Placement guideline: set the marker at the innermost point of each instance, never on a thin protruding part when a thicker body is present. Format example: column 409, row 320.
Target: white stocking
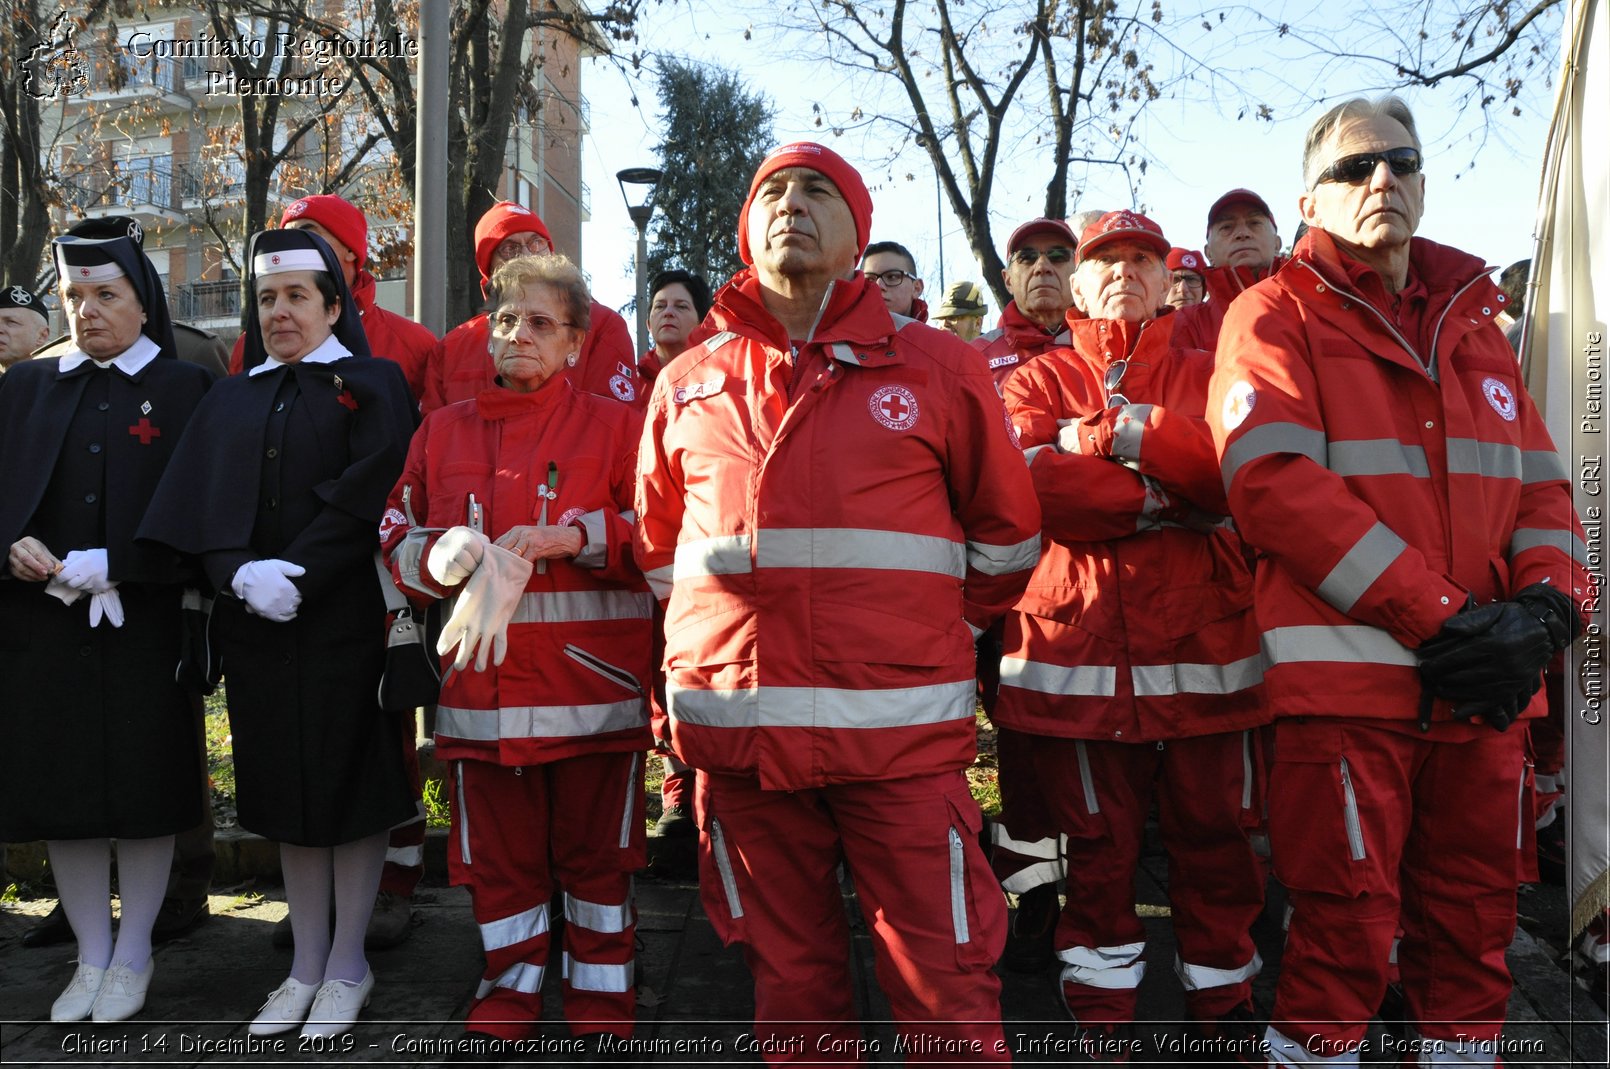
column 142, row 878
column 358, row 865
column 307, row 890
column 83, row 871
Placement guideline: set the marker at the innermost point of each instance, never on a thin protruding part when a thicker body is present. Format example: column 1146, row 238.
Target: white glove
column 85, row 569
column 455, row 555
column 108, row 605
column 61, row 591
column 265, row 587
column 480, row 620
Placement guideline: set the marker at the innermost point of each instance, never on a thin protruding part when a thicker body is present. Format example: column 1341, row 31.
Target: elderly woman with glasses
column 278, row 486
column 1132, row 660
column 516, row 504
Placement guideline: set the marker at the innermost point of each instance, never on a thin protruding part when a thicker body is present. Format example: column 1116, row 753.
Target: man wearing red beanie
column 831, row 506
column 460, row 367
column 390, row 335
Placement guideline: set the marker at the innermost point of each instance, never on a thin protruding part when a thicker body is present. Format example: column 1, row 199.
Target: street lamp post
column 643, row 181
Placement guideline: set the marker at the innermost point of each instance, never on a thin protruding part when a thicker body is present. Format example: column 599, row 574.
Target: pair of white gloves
column 496, row 578
column 266, row 588
column 83, row 571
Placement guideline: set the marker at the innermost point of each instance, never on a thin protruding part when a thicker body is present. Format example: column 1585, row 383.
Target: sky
column 1482, row 178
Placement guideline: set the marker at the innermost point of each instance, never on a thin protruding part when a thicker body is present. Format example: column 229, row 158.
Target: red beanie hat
column 824, row 160
column 337, row 216
column 502, row 219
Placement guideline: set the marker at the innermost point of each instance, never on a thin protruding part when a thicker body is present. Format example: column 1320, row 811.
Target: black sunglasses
column 1057, row 254
column 1359, row 167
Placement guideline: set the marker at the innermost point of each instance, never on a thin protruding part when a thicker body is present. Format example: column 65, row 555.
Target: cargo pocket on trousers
column 1315, row 830
column 977, row 906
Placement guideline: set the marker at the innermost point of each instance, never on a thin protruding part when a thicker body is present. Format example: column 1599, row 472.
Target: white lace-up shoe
column 337, row 1006
column 79, row 997
column 285, row 1009
column 122, row 993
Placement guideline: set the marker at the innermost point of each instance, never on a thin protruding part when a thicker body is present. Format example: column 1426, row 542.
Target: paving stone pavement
column 695, row 1001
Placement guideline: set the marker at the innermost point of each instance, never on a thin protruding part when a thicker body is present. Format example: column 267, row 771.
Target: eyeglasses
column 1357, row 168
column 1188, row 281
column 1112, row 380
column 523, row 244
column 508, row 324
column 889, row 279
column 1057, row 254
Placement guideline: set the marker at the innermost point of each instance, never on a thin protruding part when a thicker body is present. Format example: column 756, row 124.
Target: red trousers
column 517, row 834
column 768, row 874
column 1207, row 801
column 1374, row 828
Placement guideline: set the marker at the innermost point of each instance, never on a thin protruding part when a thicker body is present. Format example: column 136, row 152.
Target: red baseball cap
column 825, row 161
column 1185, row 260
column 1123, row 225
column 1238, row 196
column 1055, row 227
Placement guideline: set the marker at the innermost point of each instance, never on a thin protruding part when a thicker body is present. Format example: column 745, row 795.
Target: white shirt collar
column 129, row 361
column 329, row 351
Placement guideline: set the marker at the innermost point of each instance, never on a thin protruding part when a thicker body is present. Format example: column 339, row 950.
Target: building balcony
column 209, row 305
column 116, row 74
column 137, row 188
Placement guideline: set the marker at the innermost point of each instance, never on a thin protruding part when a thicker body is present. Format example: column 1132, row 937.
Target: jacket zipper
column 615, row 675
column 958, row 888
column 1387, row 323
column 1355, row 833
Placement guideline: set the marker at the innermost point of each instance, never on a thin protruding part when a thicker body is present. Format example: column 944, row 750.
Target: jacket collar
column 853, row 323
column 1446, row 272
column 500, row 402
column 1226, row 283
column 1027, row 336
column 363, row 292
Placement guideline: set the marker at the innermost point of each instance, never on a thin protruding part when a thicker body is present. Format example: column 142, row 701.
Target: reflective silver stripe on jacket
column 1378, row 456
column 1270, row 439
column 721, row 555
column 999, row 560
column 1116, row 968
column 828, row 707
column 582, row 606
column 587, row 976
column 1494, row 460
column 1128, row 431
column 1542, row 466
column 598, row 916
column 1525, row 538
column 539, row 721
column 1360, row 566
column 855, row 547
column 1202, row 977
column 659, row 581
column 1351, row 644
column 1035, row 450
column 595, row 540
column 1162, row 680
column 517, row 928
column 522, row 977
column 1087, row 680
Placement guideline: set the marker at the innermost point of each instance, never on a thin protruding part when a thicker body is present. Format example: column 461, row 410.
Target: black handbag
column 413, row 674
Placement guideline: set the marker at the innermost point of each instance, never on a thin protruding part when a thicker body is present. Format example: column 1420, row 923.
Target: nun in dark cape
column 278, row 487
column 100, row 742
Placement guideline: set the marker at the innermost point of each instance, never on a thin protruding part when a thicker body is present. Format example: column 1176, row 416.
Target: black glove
column 1495, row 648
column 1554, row 610
column 1501, row 711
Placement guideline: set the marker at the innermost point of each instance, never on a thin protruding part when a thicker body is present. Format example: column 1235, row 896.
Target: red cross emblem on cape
column 144, row 431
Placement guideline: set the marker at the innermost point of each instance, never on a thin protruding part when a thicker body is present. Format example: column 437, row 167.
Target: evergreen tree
column 716, row 134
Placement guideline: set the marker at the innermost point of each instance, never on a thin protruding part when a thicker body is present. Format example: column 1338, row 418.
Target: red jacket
column 461, row 368
column 1196, row 326
column 1137, row 624
column 553, row 697
column 1015, row 341
column 830, row 530
column 1381, row 495
column 397, row 338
